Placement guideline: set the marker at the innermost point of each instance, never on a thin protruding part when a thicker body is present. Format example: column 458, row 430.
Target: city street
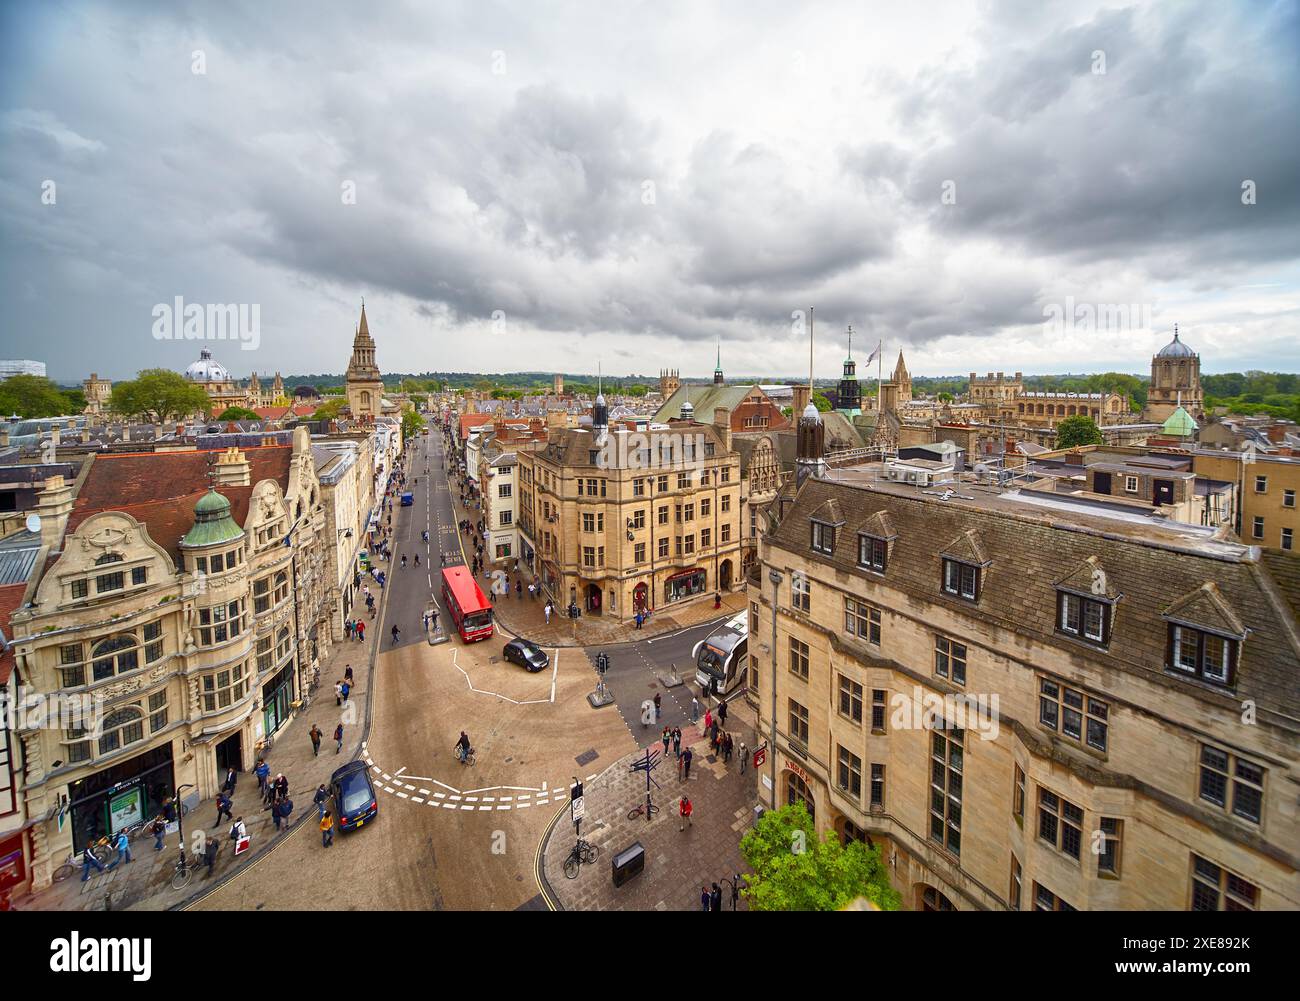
column 450, row 835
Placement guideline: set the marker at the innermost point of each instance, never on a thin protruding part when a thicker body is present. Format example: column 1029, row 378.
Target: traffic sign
column 760, row 756
column 577, row 808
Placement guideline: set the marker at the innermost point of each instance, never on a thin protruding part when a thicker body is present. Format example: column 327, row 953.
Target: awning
column 683, row 573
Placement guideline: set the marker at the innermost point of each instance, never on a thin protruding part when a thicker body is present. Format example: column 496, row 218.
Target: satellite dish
column 33, row 523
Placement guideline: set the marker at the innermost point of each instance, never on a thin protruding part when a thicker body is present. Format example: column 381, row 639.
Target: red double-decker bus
column 466, row 604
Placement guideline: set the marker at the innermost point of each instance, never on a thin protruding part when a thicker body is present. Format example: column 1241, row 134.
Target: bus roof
column 464, row 588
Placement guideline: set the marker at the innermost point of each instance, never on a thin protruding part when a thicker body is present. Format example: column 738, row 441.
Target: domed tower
column 1175, row 379
column 810, row 436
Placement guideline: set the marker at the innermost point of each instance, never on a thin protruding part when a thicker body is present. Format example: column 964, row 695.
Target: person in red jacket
column 684, row 809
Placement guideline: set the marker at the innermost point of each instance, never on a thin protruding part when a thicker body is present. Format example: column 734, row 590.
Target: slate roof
column 160, row 489
column 1158, row 572
column 704, row 398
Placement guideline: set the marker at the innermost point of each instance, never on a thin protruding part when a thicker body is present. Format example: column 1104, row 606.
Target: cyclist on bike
column 403, row 561
column 462, row 747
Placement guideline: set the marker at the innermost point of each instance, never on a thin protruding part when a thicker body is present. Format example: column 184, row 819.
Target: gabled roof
column 705, row 399
column 1089, row 578
column 829, row 513
column 1207, row 607
column 967, row 548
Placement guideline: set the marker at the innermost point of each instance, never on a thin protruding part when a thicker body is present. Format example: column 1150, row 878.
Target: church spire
column 717, row 369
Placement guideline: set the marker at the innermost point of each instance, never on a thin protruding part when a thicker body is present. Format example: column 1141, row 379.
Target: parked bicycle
column 183, row 871
column 99, row 849
column 640, row 811
column 583, row 852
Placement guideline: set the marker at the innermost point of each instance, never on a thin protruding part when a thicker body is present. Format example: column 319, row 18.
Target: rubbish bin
column 628, row 863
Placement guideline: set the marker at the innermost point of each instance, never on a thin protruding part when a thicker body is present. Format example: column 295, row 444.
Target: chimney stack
column 800, row 400
column 232, row 469
column 53, row 505
column 722, row 421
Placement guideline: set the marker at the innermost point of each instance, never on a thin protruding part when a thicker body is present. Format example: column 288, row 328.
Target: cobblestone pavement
column 678, row 863
column 145, row 883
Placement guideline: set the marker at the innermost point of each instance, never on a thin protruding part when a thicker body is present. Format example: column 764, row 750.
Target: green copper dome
column 1180, row 423
column 213, row 524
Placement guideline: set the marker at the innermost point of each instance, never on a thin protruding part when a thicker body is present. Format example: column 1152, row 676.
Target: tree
column 821, row 403
column 35, row 396
column 794, row 871
column 329, row 409
column 238, row 414
column 945, row 397
column 412, row 423
column 159, row 394
column 1075, row 431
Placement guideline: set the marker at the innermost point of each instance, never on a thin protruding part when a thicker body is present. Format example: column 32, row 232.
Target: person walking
column 347, row 676
column 262, row 771
column 361, row 632
column 715, row 898
column 223, row 807
column 232, row 777
column 158, row 828
column 338, row 693
column 123, row 845
column 396, row 632
column 347, row 690
column 667, row 737
column 727, row 744
column 281, row 787
column 704, row 898
column 677, row 741
column 320, row 798
column 658, row 710
column 275, row 814
column 210, row 849
column 285, row 808
column 88, row 859
column 695, row 709
column 722, row 711
column 744, row 758
column 546, row 610
column 684, row 812
column 708, row 720
column 338, row 736
column 315, row 735
column 326, row 829
column 686, row 762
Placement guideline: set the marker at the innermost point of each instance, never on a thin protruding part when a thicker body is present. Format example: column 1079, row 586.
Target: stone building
column 1175, row 381
column 616, row 520
column 993, row 392
column 1030, row 702
column 365, row 386
column 97, row 392
column 185, row 595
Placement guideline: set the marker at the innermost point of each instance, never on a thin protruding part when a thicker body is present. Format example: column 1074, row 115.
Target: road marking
column 455, row 660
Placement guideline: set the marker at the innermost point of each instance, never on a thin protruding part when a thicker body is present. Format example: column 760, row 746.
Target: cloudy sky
column 543, row 185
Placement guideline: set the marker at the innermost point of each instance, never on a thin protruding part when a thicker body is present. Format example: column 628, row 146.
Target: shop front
column 124, row 794
column 13, row 869
column 277, row 694
column 685, row 584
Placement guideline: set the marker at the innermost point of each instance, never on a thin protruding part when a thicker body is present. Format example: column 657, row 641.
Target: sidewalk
column 145, row 883
column 677, row 863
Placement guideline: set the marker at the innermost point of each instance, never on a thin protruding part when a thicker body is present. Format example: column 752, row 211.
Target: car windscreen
column 356, row 793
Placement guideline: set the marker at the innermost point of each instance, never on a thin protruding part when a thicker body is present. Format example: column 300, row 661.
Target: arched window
column 108, row 558
column 797, row 791
column 933, row 900
column 123, row 727
column 115, row 655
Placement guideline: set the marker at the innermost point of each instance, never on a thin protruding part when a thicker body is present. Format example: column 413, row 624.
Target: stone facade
column 1105, row 777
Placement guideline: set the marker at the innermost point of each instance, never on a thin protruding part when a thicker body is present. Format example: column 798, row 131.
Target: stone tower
column 365, row 387
column 1175, row 378
column 669, row 381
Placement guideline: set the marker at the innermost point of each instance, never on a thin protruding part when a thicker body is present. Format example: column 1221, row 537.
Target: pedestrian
column 677, row 741
column 238, row 831
column 695, row 709
column 223, row 807
column 722, row 711
column 262, row 771
column 705, row 898
column 686, row 761
column 210, row 853
column 338, row 693
column 275, row 814
column 713, row 734
column 285, row 808
column 281, row 787
column 684, row 811
column 715, row 898
column 315, row 735
column 158, row 829
column 546, row 610
column 123, row 845
column 727, row 744
column 232, row 777
column 658, row 709
column 361, row 632
column 338, row 735
column 667, row 737
column 744, row 758
column 320, row 799
column 708, row 720
column 396, row 632
column 347, row 676
column 638, row 619
column 326, row 829
column 680, row 761
column 519, row 589
column 347, row 689
column 88, row 859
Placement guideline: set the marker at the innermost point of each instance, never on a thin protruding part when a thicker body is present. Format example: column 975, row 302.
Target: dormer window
column 1205, row 655
column 1086, row 618
column 823, row 538
column 873, row 553
column 961, row 579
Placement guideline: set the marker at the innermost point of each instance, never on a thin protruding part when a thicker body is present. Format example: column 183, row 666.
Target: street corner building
column 1028, row 700
column 189, row 594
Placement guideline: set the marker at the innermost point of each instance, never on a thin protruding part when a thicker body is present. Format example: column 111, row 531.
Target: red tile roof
column 468, row 421
column 11, row 596
column 160, row 489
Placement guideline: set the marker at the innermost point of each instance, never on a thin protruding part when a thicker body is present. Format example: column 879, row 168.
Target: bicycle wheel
column 181, row 877
column 633, row 814
column 571, row 867
column 64, row 871
column 589, row 853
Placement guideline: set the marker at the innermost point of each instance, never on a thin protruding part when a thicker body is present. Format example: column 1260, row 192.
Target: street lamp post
column 776, row 578
column 180, row 816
